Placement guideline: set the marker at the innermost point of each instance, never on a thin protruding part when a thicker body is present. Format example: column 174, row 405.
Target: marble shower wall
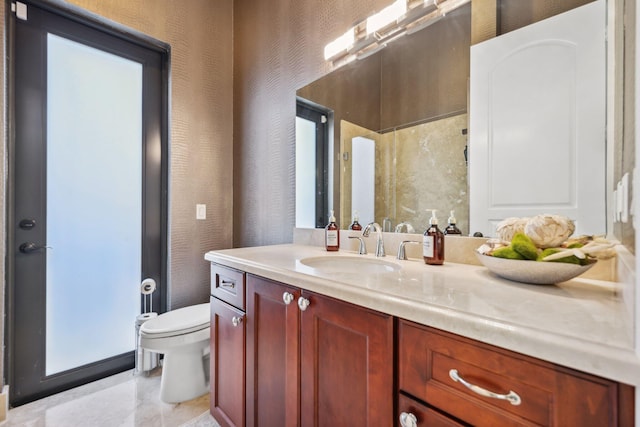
column 348, row 131
column 431, row 173
column 417, row 168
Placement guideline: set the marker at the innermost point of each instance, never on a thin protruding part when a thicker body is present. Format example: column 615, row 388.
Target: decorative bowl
column 533, row 272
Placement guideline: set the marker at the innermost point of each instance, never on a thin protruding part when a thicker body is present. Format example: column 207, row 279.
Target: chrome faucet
column 362, row 248
column 402, row 254
column 405, row 225
column 379, row 242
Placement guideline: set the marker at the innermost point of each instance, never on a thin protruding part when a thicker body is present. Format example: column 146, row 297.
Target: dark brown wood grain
column 227, row 380
column 346, row 365
column 551, row 395
column 228, row 285
column 425, row 416
column 272, row 354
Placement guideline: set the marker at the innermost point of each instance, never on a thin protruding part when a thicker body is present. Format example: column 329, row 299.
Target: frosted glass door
column 93, row 206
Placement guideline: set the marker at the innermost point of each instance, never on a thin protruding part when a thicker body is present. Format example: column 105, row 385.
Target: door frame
column 110, row 28
column 321, row 117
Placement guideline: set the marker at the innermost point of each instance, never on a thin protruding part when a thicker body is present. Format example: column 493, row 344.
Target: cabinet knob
column 236, row 320
column 512, row 397
column 287, row 297
column 408, row 420
column 303, row 303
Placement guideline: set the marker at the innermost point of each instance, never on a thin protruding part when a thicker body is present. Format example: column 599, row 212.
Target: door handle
column 29, row 247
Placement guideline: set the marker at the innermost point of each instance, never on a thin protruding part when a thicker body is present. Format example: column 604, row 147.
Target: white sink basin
column 350, row 264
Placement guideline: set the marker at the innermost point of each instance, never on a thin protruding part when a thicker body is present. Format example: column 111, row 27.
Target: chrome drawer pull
column 236, row 320
column 512, row 396
column 408, row 420
column 226, row 284
column 287, row 297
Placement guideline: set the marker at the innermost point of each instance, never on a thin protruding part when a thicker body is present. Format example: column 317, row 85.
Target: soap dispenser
column 433, row 242
column 332, row 235
column 355, row 225
column 452, row 228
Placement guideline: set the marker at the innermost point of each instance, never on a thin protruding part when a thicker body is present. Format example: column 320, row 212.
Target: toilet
column 182, row 335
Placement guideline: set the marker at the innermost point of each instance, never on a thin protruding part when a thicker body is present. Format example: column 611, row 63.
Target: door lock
column 27, row 224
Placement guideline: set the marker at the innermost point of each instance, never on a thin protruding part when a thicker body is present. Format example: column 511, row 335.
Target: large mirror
column 403, row 109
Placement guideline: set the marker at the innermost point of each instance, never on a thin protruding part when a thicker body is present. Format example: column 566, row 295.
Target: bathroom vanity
column 388, row 342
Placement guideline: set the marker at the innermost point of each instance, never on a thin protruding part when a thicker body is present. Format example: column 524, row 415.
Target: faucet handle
column 380, row 246
column 401, row 249
column 362, row 249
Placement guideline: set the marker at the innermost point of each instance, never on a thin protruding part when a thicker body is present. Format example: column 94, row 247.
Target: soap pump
column 433, row 242
column 355, row 225
column 452, row 228
column 332, row 234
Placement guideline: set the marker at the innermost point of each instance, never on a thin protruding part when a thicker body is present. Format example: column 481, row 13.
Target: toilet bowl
column 182, row 335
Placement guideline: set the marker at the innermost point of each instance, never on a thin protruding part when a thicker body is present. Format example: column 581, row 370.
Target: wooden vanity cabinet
column 316, row 361
column 227, row 358
column 273, row 354
column 298, row 358
column 547, row 395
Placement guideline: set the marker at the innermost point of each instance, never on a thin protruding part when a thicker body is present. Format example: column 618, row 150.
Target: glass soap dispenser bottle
column 332, row 234
column 355, row 225
column 433, row 242
column 452, row 228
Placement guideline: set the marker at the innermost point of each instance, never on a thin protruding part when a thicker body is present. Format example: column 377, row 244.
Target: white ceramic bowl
column 533, row 272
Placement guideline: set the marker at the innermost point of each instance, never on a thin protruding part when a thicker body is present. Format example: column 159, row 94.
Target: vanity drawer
column 549, row 395
column 228, row 285
column 424, row 416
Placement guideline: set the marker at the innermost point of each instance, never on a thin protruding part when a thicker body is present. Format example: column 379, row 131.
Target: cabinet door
column 227, row 364
column 346, row 364
column 273, row 320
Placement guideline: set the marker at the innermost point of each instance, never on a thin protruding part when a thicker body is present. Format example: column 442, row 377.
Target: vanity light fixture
column 342, row 43
column 373, row 34
column 386, row 16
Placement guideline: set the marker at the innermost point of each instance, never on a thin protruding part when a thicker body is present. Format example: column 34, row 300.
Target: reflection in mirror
column 418, row 79
column 417, row 168
column 312, row 166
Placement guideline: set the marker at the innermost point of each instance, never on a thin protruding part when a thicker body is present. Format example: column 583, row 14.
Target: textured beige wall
column 201, row 134
column 278, row 48
column 201, row 131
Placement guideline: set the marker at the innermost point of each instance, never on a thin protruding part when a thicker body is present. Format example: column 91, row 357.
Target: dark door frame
column 321, row 118
column 156, row 197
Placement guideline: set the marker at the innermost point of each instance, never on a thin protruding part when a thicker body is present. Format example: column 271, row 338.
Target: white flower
column 549, row 231
column 508, row 227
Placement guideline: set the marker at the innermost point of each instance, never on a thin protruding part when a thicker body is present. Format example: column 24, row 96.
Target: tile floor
column 123, row 400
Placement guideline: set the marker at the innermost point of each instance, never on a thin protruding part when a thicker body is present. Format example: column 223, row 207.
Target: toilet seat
column 177, row 322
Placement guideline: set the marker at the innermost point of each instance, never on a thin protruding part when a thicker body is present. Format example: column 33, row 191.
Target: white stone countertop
column 581, row 324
